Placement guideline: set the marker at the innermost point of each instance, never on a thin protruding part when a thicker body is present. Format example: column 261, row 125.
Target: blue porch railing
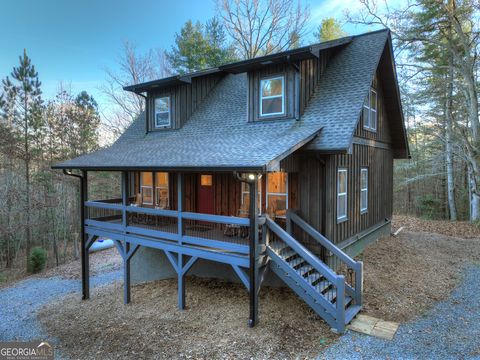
column 218, row 232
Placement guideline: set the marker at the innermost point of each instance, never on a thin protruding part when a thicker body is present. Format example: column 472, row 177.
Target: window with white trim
column 370, row 111
column 246, row 198
column 162, row 118
column 363, row 190
column 154, row 193
column 146, row 188
column 277, row 194
column 272, row 96
column 341, row 194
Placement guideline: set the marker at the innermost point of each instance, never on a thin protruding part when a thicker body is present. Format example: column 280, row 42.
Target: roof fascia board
column 377, row 62
column 274, row 165
column 260, row 169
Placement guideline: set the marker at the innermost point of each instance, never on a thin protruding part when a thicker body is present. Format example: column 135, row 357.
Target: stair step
column 305, row 269
column 295, row 262
column 322, row 286
column 330, row 295
column 286, row 253
column 314, row 278
column 351, row 312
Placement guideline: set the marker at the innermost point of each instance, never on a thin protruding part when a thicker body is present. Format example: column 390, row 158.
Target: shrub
column 429, row 207
column 2, row 278
column 37, row 260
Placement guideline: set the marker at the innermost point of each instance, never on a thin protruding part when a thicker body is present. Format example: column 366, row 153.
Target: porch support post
column 83, row 215
column 253, row 236
column 180, row 273
column 181, row 283
column 126, row 275
column 126, row 244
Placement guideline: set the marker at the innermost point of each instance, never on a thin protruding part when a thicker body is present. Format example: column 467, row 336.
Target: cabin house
column 281, row 164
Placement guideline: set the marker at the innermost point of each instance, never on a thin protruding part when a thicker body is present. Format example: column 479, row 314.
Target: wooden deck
column 212, row 237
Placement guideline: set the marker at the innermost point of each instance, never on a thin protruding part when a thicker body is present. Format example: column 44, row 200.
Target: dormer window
column 162, row 112
column 272, row 96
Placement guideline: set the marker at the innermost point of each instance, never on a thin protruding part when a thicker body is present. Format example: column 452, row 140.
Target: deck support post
column 180, row 273
column 126, row 275
column 84, row 253
column 253, row 256
column 126, row 245
column 181, row 283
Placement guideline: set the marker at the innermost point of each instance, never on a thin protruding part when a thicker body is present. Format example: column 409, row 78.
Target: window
column 370, row 111
column 206, row 180
column 363, row 190
column 277, row 194
column 146, row 188
column 272, row 100
column 159, row 193
column 341, row 194
column 246, row 198
column 162, row 200
column 162, row 112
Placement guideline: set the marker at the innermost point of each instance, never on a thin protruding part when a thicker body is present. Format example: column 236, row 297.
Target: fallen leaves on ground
column 214, row 325
column 404, row 276
column 461, row 229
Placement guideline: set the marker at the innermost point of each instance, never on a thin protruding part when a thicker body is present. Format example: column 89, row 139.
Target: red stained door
column 205, row 195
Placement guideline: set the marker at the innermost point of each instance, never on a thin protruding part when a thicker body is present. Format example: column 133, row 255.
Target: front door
column 205, row 195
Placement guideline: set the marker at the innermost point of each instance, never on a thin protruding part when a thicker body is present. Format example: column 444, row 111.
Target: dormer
column 273, row 93
column 279, row 87
column 171, row 101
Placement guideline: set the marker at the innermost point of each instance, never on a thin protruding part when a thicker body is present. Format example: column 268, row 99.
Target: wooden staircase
column 333, row 296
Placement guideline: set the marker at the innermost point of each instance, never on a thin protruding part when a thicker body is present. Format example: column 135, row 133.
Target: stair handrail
column 291, row 216
column 313, row 260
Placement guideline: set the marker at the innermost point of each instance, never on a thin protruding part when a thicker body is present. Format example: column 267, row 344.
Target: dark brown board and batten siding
column 310, row 71
column 380, row 189
column 184, row 99
column 383, row 133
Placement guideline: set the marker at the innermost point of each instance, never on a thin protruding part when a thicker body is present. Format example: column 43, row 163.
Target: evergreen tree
column 87, row 120
column 23, row 109
column 329, row 29
column 199, row 46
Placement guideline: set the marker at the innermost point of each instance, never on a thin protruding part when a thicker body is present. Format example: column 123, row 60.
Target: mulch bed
column 404, row 276
column 214, row 325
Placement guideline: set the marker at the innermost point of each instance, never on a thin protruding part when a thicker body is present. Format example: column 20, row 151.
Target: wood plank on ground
column 369, row 325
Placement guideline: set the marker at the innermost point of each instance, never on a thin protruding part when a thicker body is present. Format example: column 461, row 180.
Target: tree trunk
column 452, row 207
column 27, row 182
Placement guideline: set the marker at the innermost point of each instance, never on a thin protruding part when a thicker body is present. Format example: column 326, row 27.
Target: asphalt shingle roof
column 217, row 135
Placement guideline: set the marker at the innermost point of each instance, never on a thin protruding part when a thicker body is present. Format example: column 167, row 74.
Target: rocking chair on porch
column 232, row 230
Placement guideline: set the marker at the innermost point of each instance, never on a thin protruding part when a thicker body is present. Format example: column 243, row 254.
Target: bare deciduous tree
column 134, row 68
column 261, row 27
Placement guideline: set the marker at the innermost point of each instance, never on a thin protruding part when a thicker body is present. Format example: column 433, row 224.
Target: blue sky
column 73, row 41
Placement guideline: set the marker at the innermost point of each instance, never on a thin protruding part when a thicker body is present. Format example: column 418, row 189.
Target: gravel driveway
column 20, row 302
column 451, row 330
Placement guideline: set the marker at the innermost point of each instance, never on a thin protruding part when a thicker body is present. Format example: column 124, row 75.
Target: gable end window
column 162, row 116
column 363, row 190
column 370, row 111
column 341, row 195
column 272, row 96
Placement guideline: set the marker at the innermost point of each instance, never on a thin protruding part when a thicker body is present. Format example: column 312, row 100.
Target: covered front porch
column 154, row 210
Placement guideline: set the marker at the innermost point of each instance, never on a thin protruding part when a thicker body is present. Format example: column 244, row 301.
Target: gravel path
column 20, row 302
column 451, row 330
